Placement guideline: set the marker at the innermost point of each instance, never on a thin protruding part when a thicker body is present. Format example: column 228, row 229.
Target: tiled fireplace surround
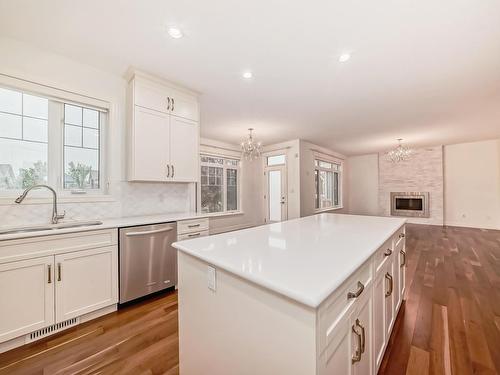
column 423, row 171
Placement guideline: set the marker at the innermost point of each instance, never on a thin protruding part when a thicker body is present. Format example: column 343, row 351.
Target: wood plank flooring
column 450, row 321
column 449, row 324
column 139, row 339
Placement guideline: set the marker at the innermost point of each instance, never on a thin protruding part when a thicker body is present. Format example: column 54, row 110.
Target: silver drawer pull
column 388, row 252
column 49, row 278
column 356, row 357
column 194, row 225
column 358, row 292
column 194, row 234
column 391, row 284
column 401, row 235
column 130, row 234
column 403, row 253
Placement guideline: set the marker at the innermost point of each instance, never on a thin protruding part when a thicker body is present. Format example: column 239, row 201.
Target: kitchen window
column 219, row 184
column 327, row 177
column 44, row 140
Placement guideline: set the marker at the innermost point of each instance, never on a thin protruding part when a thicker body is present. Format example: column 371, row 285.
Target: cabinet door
column 85, row 281
column 151, row 96
column 402, row 270
column 337, row 357
column 27, row 296
column 379, row 318
column 151, row 145
column 184, row 105
column 389, row 299
column 362, row 321
column 184, row 149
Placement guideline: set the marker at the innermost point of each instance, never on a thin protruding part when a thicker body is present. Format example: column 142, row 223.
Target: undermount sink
column 39, row 228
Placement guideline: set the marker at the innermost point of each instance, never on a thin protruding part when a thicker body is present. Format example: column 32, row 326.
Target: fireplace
column 411, row 204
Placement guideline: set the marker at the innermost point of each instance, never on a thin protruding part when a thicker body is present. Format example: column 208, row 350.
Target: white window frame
column 57, row 98
column 339, row 171
column 224, row 167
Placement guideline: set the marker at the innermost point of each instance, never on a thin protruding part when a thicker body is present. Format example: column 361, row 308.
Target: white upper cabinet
column 163, row 131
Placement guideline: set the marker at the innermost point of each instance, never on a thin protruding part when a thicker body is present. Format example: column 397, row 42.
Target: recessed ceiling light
column 344, row 57
column 175, row 32
column 247, row 75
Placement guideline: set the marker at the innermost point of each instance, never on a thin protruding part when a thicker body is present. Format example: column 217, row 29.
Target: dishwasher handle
column 131, row 234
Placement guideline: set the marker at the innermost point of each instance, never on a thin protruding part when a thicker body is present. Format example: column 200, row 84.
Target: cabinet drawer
column 194, row 225
column 381, row 256
column 334, row 309
column 188, row 236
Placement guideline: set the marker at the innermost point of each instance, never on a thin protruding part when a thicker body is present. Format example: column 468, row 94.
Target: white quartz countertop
column 106, row 224
column 304, row 259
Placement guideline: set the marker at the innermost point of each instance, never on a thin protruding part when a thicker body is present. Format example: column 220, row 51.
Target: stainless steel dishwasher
column 148, row 262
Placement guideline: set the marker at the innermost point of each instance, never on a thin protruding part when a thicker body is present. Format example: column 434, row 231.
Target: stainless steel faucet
column 55, row 216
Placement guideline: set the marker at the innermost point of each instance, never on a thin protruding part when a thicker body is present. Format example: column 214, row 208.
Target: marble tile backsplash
column 129, row 199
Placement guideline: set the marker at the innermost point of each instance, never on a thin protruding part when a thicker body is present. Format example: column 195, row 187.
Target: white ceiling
column 426, row 71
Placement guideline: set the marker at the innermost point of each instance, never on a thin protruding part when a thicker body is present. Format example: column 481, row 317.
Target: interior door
column 184, row 150
column 151, row 142
column 276, row 194
column 26, row 296
column 85, row 281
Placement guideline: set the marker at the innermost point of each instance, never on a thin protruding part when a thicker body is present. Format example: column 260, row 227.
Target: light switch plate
column 211, row 274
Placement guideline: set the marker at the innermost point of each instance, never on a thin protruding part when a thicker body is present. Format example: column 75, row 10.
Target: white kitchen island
column 316, row 295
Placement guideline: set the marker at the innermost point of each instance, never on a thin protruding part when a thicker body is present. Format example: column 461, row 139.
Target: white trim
column 52, row 92
column 9, row 200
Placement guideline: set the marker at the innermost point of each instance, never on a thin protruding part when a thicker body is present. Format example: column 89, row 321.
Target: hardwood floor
column 138, row 339
column 450, row 323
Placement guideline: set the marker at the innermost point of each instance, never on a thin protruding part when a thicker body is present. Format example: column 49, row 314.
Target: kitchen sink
column 39, row 228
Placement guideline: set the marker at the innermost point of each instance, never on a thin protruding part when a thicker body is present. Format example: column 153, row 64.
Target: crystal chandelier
column 250, row 148
column 400, row 153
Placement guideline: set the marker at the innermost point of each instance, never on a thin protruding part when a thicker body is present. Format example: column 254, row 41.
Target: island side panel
column 240, row 328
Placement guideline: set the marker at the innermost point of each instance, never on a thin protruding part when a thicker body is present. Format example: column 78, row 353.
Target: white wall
column 471, row 178
column 26, row 62
column 472, row 184
column 363, row 184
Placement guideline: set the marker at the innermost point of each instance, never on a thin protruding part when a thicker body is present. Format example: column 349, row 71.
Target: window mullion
column 55, row 141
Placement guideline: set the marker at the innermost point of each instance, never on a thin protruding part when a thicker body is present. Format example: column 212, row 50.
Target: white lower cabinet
column 378, row 318
column 336, row 359
column 80, row 276
column 26, row 296
column 85, row 282
column 389, row 298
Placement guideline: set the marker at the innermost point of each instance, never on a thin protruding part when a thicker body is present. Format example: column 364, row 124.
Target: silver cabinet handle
column 168, row 170
column 131, row 234
column 194, row 234
column 173, row 104
column 403, row 253
column 358, row 292
column 173, row 171
column 363, row 336
column 59, row 272
column 356, row 357
column 391, row 286
column 401, row 235
column 49, row 277
column 168, row 103
column 194, row 225
column 388, row 252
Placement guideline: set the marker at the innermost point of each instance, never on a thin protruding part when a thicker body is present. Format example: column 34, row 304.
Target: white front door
column 276, row 194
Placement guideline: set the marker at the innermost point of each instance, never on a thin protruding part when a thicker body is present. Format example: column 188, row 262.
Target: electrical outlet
column 211, row 274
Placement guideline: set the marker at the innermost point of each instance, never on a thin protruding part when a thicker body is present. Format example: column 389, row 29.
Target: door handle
column 403, row 253
column 49, row 271
column 363, row 337
column 194, row 225
column 358, row 292
column 173, row 170
column 389, row 277
column 401, row 235
column 168, row 170
column 388, row 252
column 356, row 357
column 173, row 104
column 59, row 278
column 168, row 103
column 131, row 234
column 194, row 234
